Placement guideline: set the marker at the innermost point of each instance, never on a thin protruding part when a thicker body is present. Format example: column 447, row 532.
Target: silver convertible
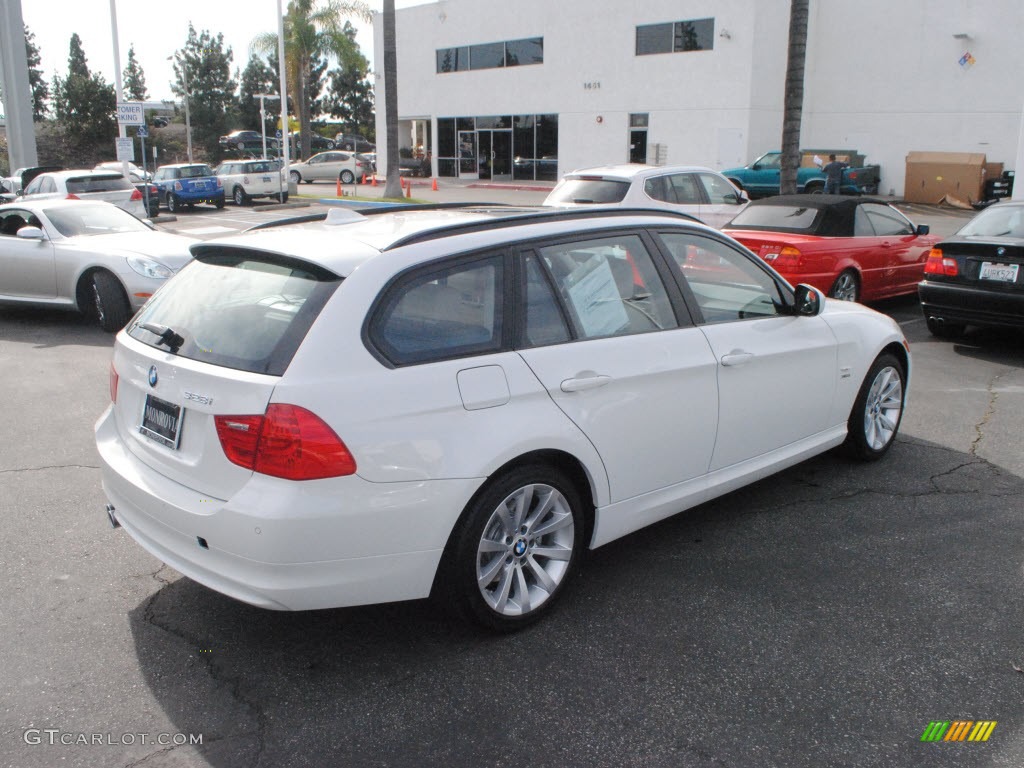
column 87, row 256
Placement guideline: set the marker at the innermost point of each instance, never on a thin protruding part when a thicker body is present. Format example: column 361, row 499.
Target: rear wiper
column 581, row 200
column 167, row 336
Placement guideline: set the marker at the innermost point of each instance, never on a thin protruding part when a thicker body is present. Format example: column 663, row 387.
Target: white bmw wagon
column 459, row 401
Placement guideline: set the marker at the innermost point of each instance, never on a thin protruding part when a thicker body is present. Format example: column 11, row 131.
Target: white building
column 567, row 84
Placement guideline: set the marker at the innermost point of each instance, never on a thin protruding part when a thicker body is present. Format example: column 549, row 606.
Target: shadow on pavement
column 45, row 328
column 823, row 616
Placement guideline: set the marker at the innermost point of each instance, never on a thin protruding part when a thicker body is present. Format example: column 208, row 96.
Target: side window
column 727, row 285
column 34, row 186
column 13, row 221
column 886, row 221
column 656, row 189
column 441, row 314
column 684, row 189
column 718, row 189
column 609, row 285
column 861, row 226
column 48, row 186
column 544, row 321
column 316, row 160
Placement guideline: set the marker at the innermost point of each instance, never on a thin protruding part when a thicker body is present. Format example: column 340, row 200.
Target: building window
column 675, row 37
column 510, row 53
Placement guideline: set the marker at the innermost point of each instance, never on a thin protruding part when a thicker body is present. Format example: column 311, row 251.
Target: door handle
column 583, row 383
column 737, row 357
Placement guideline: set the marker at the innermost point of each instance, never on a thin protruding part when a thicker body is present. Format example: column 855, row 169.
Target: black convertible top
column 834, row 217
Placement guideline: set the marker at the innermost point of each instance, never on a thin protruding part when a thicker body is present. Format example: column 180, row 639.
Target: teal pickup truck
column 762, row 177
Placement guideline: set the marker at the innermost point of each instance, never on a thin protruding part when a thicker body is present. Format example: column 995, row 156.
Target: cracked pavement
column 821, row 617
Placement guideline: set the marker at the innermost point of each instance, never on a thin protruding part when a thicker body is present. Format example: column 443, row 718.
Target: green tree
column 134, row 79
column 792, row 113
column 393, row 185
column 84, row 103
column 257, row 77
column 350, row 93
column 206, row 65
column 312, row 29
column 40, row 90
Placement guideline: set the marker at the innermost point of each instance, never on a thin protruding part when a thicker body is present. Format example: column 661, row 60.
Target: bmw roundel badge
column 1000, row 251
column 153, row 378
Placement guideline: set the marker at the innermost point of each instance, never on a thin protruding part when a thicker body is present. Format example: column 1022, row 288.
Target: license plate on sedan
column 1004, row 273
column 161, row 421
column 266, row 179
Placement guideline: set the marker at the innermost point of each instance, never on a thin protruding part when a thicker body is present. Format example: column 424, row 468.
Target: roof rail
column 374, row 209
column 533, row 216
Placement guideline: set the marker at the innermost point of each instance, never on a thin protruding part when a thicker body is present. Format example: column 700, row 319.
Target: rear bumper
column 967, row 304
column 284, row 545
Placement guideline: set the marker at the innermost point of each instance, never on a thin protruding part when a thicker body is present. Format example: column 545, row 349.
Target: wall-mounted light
column 725, row 34
column 600, row 119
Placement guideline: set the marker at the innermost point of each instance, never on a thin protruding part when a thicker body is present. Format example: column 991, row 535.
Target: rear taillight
column 220, row 182
column 287, row 441
column 72, row 196
column 788, row 259
column 136, row 195
column 938, row 264
column 113, row 384
column 177, row 186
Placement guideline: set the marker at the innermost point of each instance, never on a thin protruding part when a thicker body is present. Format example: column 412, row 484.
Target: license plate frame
column 999, row 272
column 161, row 421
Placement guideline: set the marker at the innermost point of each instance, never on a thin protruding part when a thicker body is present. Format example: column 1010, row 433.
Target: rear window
column 997, row 221
column 194, row 171
column 787, row 218
column 108, row 182
column 588, row 191
column 238, row 308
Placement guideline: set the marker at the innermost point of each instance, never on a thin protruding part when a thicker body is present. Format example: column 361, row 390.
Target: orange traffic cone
column 433, row 184
column 338, row 187
column 363, row 180
column 374, row 180
column 408, row 189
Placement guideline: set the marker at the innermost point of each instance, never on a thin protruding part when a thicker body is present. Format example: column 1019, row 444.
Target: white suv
column 379, row 407
column 689, row 189
column 245, row 180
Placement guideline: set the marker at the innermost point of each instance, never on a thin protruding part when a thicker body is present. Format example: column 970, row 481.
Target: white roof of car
column 46, row 204
column 630, row 171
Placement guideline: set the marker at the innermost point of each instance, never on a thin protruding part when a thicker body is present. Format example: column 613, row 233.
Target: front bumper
column 286, row 545
column 967, row 304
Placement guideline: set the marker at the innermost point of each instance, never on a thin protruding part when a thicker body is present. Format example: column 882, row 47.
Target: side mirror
column 756, row 167
column 923, row 229
column 31, row 233
column 807, row 301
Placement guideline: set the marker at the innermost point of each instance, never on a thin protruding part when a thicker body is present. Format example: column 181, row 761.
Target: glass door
column 501, row 155
column 468, row 162
column 486, row 154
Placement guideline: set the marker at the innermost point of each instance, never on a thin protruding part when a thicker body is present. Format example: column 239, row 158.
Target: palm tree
column 311, row 29
column 393, row 185
column 792, row 113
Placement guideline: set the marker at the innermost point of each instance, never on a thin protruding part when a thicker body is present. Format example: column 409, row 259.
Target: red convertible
column 852, row 248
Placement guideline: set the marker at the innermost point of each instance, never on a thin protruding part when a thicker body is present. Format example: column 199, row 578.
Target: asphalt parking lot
column 822, row 617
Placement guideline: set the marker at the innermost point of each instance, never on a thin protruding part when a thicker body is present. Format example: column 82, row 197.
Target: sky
column 156, row 30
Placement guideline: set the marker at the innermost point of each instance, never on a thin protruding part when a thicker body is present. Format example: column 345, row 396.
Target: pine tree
column 84, row 103
column 40, row 90
column 350, row 93
column 134, row 79
column 211, row 88
column 257, row 77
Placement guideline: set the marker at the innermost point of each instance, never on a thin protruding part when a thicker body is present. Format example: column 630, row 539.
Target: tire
column 330, row 144
column 110, row 303
column 241, row 146
column 944, row 330
column 814, row 189
column 219, row 203
column 494, row 573
column 282, row 197
column 240, row 197
column 173, row 205
column 878, row 410
column 294, row 177
column 846, row 287
column 347, row 177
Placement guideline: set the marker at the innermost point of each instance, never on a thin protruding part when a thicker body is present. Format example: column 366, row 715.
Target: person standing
column 833, row 175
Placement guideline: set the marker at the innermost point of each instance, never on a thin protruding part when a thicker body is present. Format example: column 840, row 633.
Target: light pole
column 263, row 118
column 188, row 118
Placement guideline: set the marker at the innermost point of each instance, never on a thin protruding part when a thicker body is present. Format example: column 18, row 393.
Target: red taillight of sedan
column 938, row 264
column 72, row 196
column 287, row 441
column 788, row 259
column 136, row 195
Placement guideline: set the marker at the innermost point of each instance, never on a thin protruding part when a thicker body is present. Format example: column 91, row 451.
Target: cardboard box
column 932, row 176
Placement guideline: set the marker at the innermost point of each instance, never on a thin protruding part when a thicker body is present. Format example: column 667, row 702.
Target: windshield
column 588, row 191
column 997, row 221
column 93, row 219
column 112, row 182
column 790, row 218
column 239, row 308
